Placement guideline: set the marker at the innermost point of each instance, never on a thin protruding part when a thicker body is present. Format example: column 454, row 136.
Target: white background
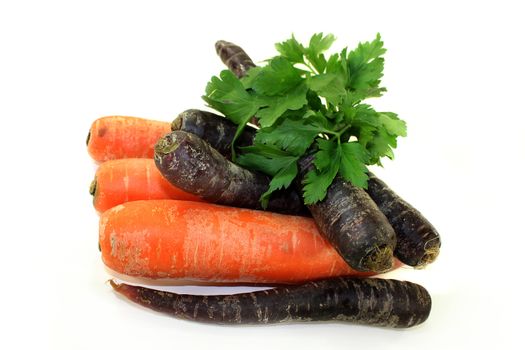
column 454, row 71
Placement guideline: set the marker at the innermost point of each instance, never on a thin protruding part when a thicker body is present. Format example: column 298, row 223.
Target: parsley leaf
column 276, row 78
column 365, row 67
column 249, row 79
column 267, row 159
column 377, row 132
column 291, row 49
column 326, row 161
column 292, row 135
column 228, row 96
column 393, row 125
column 282, row 179
column 314, row 52
column 276, row 105
column 328, row 85
column 308, row 104
column 353, row 160
column 319, row 43
column 360, row 115
column 271, row 161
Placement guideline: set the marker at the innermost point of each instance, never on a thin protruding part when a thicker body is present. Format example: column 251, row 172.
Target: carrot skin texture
column 122, row 180
column 353, row 223
column 214, row 129
column 418, row 242
column 191, row 164
column 116, row 137
column 372, row 301
column 206, row 242
column 234, row 57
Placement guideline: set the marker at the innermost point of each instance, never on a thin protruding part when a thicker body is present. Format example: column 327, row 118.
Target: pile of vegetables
column 274, row 190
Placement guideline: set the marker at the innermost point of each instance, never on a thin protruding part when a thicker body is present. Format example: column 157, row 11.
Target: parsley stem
column 336, row 133
column 340, row 132
column 312, row 69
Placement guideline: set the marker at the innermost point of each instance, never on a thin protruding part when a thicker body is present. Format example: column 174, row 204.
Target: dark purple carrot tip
column 165, row 144
column 93, row 187
column 176, row 124
column 219, row 45
column 380, row 259
column 126, row 290
column 114, row 284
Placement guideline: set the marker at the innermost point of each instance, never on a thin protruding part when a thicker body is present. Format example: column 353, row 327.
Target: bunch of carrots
column 174, row 206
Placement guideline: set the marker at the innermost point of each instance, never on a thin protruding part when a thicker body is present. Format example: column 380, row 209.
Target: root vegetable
column 117, row 137
column 122, row 180
column 377, row 302
column 353, row 223
column 214, row 129
column 234, row 58
column 418, row 242
column 206, row 242
column 191, row 164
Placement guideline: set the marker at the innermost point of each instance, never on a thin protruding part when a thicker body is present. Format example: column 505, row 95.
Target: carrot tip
column 167, row 144
column 114, row 284
column 379, row 260
column 430, row 255
column 88, row 137
column 176, row 124
column 93, row 187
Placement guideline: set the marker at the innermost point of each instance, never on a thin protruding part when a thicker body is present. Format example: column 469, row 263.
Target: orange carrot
column 206, row 242
column 116, row 137
column 122, row 180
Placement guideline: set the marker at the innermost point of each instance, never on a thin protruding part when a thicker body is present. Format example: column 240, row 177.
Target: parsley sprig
column 307, row 102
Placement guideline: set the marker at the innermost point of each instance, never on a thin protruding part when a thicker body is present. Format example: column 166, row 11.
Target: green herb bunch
column 307, row 103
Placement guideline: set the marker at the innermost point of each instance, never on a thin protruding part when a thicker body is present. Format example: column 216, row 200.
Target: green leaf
column 368, row 77
column 314, row 101
column 315, row 186
column 277, row 77
column 252, row 74
column 353, row 168
column 318, row 119
column 380, row 137
column 264, row 158
column 365, row 68
column 314, row 52
column 333, row 65
column 378, row 143
column 319, row 62
column 362, row 114
column 227, row 95
column 366, row 134
column 393, row 125
column 366, row 52
column 271, row 161
column 291, row 50
column 382, row 145
column 328, row 85
column 327, row 161
column 319, row 43
column 294, row 99
column 292, row 135
column 324, row 156
column 337, row 64
column 282, row 179
column 240, row 128
column 296, row 108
